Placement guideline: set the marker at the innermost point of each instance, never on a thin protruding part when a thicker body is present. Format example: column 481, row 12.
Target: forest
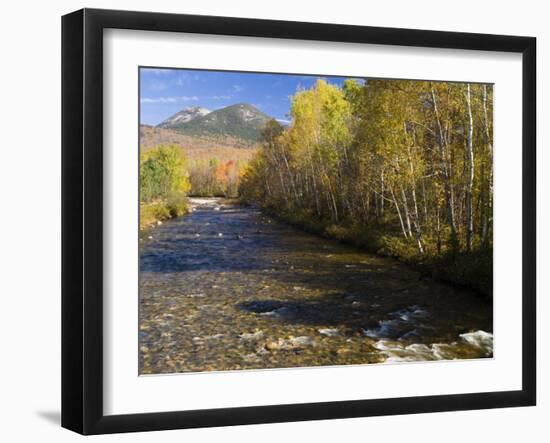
column 214, row 177
column 401, row 168
column 168, row 177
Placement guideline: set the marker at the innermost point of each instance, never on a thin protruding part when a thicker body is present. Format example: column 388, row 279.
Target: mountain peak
column 184, row 116
column 241, row 120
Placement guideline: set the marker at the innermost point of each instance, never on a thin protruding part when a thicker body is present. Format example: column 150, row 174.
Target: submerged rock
column 303, row 341
column 213, row 337
column 272, row 345
column 329, row 332
column 251, row 336
column 291, row 343
column 399, row 324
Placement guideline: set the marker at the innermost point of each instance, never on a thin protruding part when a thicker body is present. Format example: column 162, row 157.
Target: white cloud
column 157, row 86
column 183, row 98
column 282, row 120
column 221, row 97
column 157, row 71
column 182, row 79
column 237, row 88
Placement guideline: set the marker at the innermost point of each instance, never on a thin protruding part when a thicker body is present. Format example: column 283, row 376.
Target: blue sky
column 163, row 92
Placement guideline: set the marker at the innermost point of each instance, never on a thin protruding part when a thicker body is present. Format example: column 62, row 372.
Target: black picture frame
column 82, row 218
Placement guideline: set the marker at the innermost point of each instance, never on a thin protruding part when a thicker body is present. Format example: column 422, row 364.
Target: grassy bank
column 152, row 213
column 471, row 270
column 164, row 184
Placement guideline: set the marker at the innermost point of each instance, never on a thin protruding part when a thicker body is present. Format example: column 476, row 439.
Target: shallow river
column 228, row 288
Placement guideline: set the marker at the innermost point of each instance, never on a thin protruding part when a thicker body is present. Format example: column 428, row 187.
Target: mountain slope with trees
column 240, row 121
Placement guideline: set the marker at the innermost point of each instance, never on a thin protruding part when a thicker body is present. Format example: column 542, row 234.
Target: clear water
column 227, row 288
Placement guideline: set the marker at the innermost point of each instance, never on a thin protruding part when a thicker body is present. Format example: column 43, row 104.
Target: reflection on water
column 227, row 288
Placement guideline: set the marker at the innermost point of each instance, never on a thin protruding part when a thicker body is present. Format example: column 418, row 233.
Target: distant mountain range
column 240, row 121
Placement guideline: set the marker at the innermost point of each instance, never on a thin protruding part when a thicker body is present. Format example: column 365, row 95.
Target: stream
column 228, row 288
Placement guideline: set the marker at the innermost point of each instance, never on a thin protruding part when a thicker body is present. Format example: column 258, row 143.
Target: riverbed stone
column 329, row 332
column 246, row 336
column 221, row 293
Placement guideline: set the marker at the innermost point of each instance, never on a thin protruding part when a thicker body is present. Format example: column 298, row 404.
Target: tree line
column 168, row 177
column 402, row 166
column 214, row 177
column 163, row 185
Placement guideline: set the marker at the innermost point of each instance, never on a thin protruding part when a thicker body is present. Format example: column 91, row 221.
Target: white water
column 400, row 325
column 205, row 203
column 478, row 342
column 480, row 339
column 401, row 328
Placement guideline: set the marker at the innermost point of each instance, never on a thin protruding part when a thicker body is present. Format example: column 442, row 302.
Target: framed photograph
column 270, row 221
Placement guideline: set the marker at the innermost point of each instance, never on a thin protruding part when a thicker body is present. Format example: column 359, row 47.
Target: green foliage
column 472, row 270
column 403, row 168
column 150, row 213
column 163, row 173
column 164, row 184
column 214, row 178
column 177, row 205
